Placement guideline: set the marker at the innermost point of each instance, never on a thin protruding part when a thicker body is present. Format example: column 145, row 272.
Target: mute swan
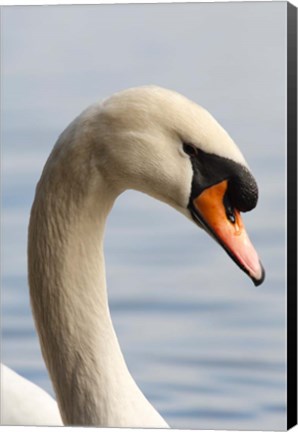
column 149, row 139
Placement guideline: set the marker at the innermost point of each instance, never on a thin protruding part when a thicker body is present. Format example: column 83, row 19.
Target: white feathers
column 24, row 403
column 183, row 119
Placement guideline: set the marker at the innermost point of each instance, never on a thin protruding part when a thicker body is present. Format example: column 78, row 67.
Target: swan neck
column 68, row 294
column 70, row 304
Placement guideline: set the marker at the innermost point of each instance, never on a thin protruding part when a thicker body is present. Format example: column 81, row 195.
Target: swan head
column 159, row 142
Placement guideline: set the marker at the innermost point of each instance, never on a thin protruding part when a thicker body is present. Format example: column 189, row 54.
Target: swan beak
column 225, row 225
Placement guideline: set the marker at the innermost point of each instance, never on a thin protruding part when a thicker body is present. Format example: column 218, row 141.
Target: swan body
column 24, row 403
column 155, row 141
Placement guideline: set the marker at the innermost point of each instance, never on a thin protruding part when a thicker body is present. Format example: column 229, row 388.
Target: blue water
column 205, row 345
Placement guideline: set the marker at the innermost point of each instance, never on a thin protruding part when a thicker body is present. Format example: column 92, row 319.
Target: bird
column 153, row 140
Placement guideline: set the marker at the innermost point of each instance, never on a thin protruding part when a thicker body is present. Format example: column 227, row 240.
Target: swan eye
column 190, row 149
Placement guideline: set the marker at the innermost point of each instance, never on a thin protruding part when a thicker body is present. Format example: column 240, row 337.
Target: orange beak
column 227, row 228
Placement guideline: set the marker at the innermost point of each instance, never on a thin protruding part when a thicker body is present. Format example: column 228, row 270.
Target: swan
column 153, row 140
